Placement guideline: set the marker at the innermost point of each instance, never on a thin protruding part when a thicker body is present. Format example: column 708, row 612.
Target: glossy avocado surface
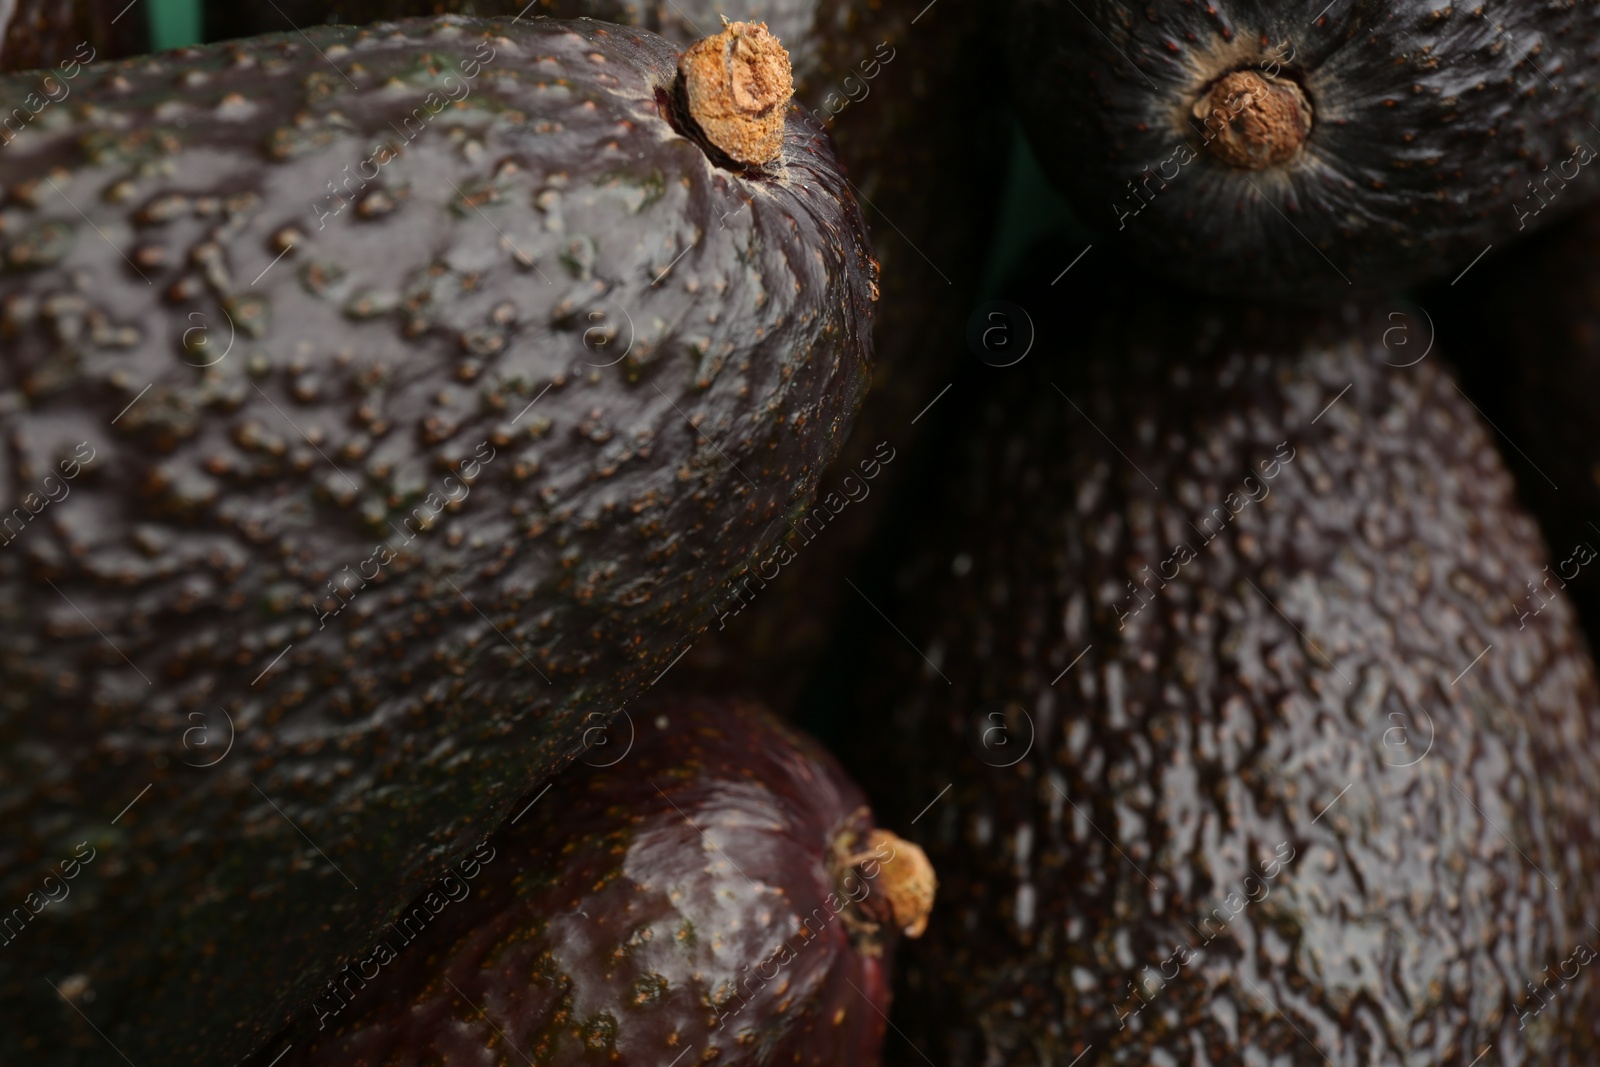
column 383, row 409
column 1309, row 149
column 926, row 154
column 713, row 893
column 791, row 21
column 1216, row 717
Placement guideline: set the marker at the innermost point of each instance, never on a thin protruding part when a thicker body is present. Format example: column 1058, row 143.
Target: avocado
column 1210, row 707
column 887, row 80
column 66, row 34
column 384, row 410
column 1309, row 150
column 713, row 888
column 1525, row 326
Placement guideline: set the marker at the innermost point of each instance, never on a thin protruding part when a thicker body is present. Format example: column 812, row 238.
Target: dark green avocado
column 1306, row 149
column 383, row 410
column 714, row 893
column 61, row 36
column 888, row 80
column 1216, row 719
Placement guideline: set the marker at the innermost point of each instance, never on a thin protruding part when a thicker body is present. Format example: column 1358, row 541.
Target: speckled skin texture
column 1431, row 119
column 1288, row 731
column 635, row 906
column 425, row 402
column 682, row 22
column 928, row 155
column 1526, row 327
column 43, row 33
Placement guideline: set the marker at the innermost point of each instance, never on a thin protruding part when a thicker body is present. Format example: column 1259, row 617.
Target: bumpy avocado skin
column 1526, row 327
column 522, row 398
column 1293, row 748
column 890, row 81
column 791, row 21
column 37, row 34
column 680, row 895
column 1439, row 129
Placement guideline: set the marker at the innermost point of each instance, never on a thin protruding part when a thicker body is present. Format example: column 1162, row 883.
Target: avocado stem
column 736, row 86
column 1253, row 120
column 896, row 883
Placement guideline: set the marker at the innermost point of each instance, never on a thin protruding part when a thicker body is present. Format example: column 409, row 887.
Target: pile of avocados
column 812, row 532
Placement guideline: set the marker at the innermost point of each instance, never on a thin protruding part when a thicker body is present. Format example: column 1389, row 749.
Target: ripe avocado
column 888, row 81
column 715, row 891
column 365, row 453
column 66, row 34
column 1218, row 725
column 1307, row 149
